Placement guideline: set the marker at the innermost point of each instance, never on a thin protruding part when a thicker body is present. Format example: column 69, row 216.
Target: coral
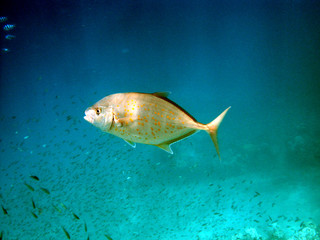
column 276, row 233
column 307, row 232
column 249, row 234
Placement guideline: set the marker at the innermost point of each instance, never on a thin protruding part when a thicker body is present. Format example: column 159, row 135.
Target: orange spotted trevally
column 148, row 118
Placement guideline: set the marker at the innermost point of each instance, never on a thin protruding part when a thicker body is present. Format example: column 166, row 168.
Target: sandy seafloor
column 262, row 59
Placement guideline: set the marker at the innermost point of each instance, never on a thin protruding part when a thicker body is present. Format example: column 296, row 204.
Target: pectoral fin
column 132, row 144
column 166, row 147
column 117, row 122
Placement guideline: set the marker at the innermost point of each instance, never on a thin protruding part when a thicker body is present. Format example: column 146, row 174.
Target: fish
column 3, row 19
column 45, row 190
column 56, row 208
column 34, row 177
column 66, row 233
column 256, row 194
column 64, row 206
column 29, row 186
column 1, row 235
column 34, row 215
column 76, row 216
column 5, row 212
column 150, row 119
column 5, row 50
column 10, row 37
column 9, row 27
column 33, row 204
column 108, row 237
column 85, row 227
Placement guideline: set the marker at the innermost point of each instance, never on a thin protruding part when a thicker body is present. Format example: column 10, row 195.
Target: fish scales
column 147, row 118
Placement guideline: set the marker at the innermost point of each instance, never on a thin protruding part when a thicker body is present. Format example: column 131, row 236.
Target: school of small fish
column 63, row 180
column 7, row 27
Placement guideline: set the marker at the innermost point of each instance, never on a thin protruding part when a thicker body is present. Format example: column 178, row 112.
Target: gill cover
column 106, row 118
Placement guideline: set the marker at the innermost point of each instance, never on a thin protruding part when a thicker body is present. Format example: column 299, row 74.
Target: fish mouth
column 88, row 118
column 88, row 115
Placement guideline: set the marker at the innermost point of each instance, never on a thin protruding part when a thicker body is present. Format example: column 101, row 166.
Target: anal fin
column 166, row 147
column 132, row 144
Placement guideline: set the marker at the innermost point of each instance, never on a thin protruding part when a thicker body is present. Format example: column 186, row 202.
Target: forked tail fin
column 213, row 129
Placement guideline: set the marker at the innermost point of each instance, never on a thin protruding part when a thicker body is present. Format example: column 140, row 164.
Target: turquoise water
column 260, row 58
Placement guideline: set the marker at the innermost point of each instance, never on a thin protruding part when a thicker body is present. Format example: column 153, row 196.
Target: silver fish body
column 148, row 119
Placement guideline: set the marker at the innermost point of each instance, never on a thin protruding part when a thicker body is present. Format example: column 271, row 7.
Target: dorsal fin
column 161, row 94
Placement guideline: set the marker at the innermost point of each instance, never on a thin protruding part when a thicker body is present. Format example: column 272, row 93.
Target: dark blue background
column 260, row 57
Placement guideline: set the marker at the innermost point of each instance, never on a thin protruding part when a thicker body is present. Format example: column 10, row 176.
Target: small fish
column 10, row 37
column 1, row 235
column 256, row 195
column 108, row 237
column 5, row 212
column 64, row 206
column 45, row 190
column 85, row 227
column 66, row 232
column 149, row 119
column 29, row 186
column 5, row 50
column 56, row 208
column 34, row 215
column 75, row 215
column 33, row 204
column 8, row 27
column 34, row 177
column 3, row 19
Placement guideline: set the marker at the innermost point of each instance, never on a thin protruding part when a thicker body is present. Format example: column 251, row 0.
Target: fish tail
column 213, row 129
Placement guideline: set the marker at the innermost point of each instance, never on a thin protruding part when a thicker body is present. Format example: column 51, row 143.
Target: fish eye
column 98, row 111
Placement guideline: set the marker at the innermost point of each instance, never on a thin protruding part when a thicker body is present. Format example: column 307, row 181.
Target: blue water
column 261, row 57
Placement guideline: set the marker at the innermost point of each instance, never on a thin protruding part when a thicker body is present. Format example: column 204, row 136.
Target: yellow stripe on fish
column 148, row 118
